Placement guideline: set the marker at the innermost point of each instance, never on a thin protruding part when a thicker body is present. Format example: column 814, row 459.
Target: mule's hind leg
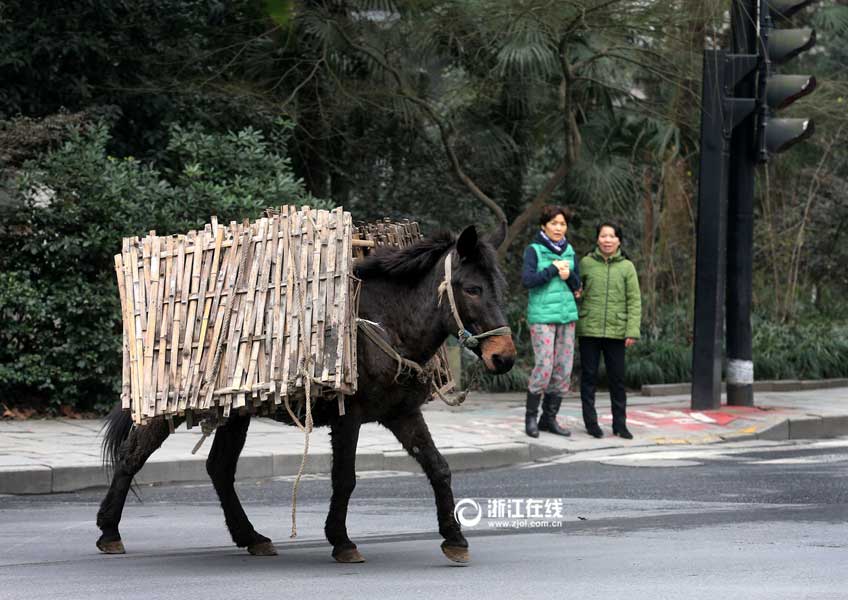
column 135, row 451
column 221, row 466
column 412, row 432
column 344, row 435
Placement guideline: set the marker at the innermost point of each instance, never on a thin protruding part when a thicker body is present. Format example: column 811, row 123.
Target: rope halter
column 465, row 337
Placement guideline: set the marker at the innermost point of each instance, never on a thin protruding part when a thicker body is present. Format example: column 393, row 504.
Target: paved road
column 747, row 520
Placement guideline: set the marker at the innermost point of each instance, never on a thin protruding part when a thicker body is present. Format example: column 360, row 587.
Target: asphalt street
column 745, row 520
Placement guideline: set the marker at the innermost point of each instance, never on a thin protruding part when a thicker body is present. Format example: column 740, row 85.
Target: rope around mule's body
column 372, row 332
column 425, row 374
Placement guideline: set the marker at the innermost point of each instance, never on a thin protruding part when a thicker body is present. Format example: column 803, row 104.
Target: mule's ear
column 466, row 245
column 497, row 237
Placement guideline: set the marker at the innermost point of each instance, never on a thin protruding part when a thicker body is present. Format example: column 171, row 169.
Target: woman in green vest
column 551, row 276
column 610, row 320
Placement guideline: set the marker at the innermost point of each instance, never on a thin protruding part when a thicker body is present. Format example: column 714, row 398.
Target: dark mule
column 400, row 291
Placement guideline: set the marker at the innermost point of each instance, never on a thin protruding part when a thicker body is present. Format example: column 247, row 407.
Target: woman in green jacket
column 610, row 319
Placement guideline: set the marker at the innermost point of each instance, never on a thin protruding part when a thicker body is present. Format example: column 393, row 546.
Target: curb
column 781, row 385
column 43, row 479
column 806, row 428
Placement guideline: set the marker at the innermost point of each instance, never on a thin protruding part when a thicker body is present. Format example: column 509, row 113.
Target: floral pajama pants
column 553, row 349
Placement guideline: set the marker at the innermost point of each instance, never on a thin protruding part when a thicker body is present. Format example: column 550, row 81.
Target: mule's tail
column 115, row 430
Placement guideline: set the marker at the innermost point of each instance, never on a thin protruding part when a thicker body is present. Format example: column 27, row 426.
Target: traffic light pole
column 720, row 115
column 733, row 141
column 712, row 238
column 740, row 226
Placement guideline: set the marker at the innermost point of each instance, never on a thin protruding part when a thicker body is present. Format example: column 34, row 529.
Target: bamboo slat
column 162, row 382
column 278, row 337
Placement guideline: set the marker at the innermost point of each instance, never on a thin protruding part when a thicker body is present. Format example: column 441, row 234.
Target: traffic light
column 777, row 91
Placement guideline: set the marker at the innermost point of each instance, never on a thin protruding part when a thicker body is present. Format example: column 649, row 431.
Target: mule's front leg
column 344, row 434
column 412, row 432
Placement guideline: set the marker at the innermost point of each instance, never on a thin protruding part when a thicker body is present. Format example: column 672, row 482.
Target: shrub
column 475, row 376
column 60, row 323
column 800, row 351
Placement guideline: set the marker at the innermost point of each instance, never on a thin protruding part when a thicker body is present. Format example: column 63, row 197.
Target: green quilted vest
column 552, row 302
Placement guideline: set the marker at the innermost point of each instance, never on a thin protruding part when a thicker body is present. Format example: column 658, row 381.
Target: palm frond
column 527, row 52
column 832, row 20
column 606, row 181
column 490, row 146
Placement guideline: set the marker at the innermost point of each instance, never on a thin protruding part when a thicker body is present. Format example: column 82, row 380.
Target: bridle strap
column 465, row 337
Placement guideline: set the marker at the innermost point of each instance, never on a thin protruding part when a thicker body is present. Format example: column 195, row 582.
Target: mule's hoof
column 457, row 554
column 349, row 555
column 116, row 547
column 262, row 549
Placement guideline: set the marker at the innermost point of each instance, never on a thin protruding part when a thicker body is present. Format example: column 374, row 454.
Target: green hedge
column 814, row 350
column 59, row 309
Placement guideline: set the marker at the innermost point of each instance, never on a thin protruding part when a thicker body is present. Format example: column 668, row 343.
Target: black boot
column 548, row 422
column 622, row 432
column 595, row 430
column 532, row 409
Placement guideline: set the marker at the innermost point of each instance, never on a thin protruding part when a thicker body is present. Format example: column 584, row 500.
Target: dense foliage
column 60, row 334
column 118, row 117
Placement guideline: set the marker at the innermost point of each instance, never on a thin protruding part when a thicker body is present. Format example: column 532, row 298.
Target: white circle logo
column 470, row 506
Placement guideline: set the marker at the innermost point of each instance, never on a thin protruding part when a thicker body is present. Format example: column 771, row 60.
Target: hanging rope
column 304, row 370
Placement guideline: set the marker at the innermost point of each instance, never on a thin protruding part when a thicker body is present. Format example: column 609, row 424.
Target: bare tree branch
column 517, row 227
column 446, row 130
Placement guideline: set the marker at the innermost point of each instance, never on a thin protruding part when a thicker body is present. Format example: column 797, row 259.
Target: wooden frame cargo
column 245, row 316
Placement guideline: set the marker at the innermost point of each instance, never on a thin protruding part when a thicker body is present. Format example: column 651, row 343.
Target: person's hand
column 629, row 342
column 563, row 267
column 578, row 294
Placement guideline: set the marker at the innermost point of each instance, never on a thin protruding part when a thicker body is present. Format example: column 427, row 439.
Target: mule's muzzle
column 498, row 354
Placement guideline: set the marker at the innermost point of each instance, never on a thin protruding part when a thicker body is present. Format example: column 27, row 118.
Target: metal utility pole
column 711, row 246
column 721, row 113
column 733, row 140
column 740, row 225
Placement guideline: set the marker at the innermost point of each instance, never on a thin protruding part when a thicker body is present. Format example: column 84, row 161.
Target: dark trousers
column 591, row 349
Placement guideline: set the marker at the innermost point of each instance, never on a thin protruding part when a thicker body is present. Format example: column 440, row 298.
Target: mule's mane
column 412, row 262
column 416, row 261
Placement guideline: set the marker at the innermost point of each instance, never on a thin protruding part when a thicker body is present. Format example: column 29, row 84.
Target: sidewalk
column 62, row 455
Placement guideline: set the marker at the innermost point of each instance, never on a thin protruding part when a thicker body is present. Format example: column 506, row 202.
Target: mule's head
column 478, row 286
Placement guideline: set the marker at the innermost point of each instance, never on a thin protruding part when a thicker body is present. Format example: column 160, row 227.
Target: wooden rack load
column 384, row 233
column 193, row 348
column 238, row 317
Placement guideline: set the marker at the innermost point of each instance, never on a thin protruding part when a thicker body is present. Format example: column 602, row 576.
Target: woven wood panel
column 238, row 316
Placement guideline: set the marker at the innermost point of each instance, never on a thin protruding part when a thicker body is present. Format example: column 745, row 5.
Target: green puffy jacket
column 611, row 306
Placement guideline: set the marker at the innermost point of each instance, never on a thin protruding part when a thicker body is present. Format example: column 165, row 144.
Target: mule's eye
column 473, row 290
